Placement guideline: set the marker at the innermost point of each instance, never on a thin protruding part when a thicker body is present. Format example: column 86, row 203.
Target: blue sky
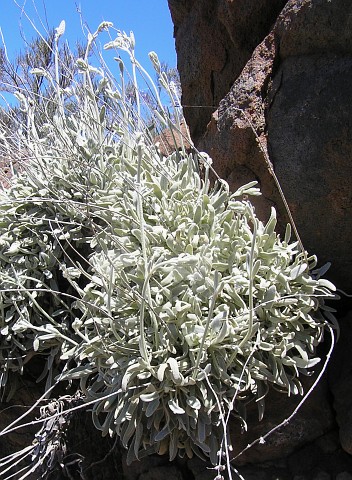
column 150, row 21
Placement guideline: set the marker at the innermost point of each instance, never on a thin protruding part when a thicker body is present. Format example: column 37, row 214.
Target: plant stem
column 251, row 280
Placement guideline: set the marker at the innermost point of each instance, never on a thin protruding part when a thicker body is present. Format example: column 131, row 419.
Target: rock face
column 309, row 126
column 313, row 420
column 341, row 383
column 285, row 84
column 267, row 84
column 214, row 41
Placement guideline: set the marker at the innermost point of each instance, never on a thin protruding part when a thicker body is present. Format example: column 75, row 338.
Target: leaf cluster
column 164, row 298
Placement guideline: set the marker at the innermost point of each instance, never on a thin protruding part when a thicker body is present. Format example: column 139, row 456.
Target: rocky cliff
column 268, row 84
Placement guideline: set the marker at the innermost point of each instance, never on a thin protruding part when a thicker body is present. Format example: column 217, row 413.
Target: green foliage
column 166, row 299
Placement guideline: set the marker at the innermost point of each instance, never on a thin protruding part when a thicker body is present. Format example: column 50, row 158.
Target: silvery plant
column 161, row 296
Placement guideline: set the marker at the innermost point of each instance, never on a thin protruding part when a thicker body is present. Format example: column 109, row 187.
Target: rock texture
column 214, row 41
column 341, row 383
column 169, row 139
column 313, row 420
column 309, row 126
column 267, row 85
column 290, row 93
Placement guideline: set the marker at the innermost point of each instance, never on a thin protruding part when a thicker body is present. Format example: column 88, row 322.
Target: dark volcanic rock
column 214, row 40
column 340, row 377
column 235, row 135
column 294, row 98
column 279, row 89
column 309, row 130
column 313, row 420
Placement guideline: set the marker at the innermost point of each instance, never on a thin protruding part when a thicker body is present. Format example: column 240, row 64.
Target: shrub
column 164, row 298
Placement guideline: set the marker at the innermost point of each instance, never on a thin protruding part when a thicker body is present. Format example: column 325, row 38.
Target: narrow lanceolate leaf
column 175, row 408
column 302, row 363
column 323, row 282
column 162, row 433
column 149, row 397
column 194, row 403
column 39, row 71
column 152, row 407
column 161, row 371
column 298, row 270
column 175, row 372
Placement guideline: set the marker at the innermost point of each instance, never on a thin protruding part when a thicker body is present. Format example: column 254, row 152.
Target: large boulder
column 214, row 41
column 309, row 126
column 286, row 88
column 270, row 85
